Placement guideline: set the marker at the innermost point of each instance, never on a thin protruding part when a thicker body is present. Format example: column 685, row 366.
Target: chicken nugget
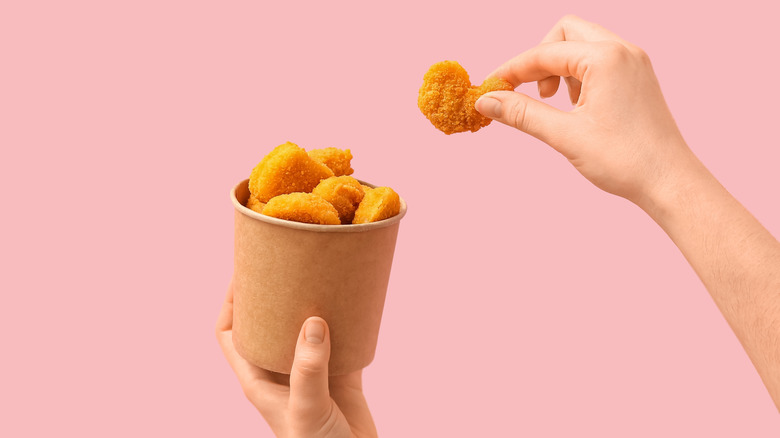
column 253, row 204
column 377, row 204
column 344, row 193
column 447, row 98
column 336, row 159
column 302, row 207
column 286, row 169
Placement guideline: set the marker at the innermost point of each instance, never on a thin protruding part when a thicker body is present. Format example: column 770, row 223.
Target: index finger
column 563, row 58
column 574, row 28
column 225, row 318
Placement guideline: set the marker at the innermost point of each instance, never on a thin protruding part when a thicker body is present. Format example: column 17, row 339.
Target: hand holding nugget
column 447, row 98
column 622, row 137
column 620, row 134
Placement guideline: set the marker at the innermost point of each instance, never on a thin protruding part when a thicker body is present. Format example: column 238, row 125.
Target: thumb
column 309, row 396
column 536, row 118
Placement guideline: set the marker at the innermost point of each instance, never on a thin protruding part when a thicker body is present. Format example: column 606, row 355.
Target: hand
column 306, row 403
column 620, row 135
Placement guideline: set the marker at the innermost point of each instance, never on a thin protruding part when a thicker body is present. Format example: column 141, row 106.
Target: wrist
column 684, row 182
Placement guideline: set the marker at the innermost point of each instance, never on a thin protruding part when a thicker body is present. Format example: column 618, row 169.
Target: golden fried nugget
column 447, row 98
column 344, row 193
column 286, row 169
column 377, row 204
column 336, row 159
column 253, row 204
column 302, row 207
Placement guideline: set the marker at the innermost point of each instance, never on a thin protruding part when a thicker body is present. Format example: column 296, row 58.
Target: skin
column 621, row 136
column 307, row 403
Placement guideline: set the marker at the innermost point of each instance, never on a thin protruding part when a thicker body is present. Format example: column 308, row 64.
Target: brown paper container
column 288, row 271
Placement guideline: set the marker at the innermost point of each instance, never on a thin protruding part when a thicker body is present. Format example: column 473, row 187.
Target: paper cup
column 288, row 271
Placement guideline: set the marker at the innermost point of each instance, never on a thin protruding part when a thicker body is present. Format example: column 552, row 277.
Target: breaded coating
column 344, row 193
column 302, row 207
column 447, row 98
column 286, row 169
column 377, row 204
column 336, row 159
column 253, row 204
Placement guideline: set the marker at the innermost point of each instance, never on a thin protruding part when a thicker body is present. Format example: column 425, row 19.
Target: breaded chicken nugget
column 344, row 193
column 447, row 98
column 377, row 204
column 286, row 169
column 253, row 204
column 336, row 159
column 302, row 207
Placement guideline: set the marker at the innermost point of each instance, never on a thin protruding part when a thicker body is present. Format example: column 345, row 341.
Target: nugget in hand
column 377, row 204
column 286, row 169
column 447, row 98
column 344, row 193
column 302, row 207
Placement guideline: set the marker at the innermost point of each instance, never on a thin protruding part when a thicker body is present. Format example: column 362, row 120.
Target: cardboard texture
column 288, row 271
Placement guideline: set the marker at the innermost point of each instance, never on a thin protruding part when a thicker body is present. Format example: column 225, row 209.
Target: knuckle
column 309, row 365
column 309, row 370
column 250, row 392
column 612, row 52
column 614, row 49
column 567, row 19
column 518, row 116
column 641, row 55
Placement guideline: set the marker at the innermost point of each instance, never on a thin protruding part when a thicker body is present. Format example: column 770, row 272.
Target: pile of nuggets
column 447, row 98
column 315, row 187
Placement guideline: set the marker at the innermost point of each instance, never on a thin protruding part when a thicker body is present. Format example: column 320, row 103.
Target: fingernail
column 489, row 107
column 314, row 332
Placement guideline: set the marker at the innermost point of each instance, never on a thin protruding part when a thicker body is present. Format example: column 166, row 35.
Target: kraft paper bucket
column 287, row 271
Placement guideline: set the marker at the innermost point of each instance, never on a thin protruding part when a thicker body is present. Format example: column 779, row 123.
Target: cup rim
column 347, row 228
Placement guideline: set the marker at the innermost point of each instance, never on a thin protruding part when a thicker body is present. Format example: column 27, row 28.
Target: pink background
column 523, row 301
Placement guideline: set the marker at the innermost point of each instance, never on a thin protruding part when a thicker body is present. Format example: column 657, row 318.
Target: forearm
column 735, row 257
